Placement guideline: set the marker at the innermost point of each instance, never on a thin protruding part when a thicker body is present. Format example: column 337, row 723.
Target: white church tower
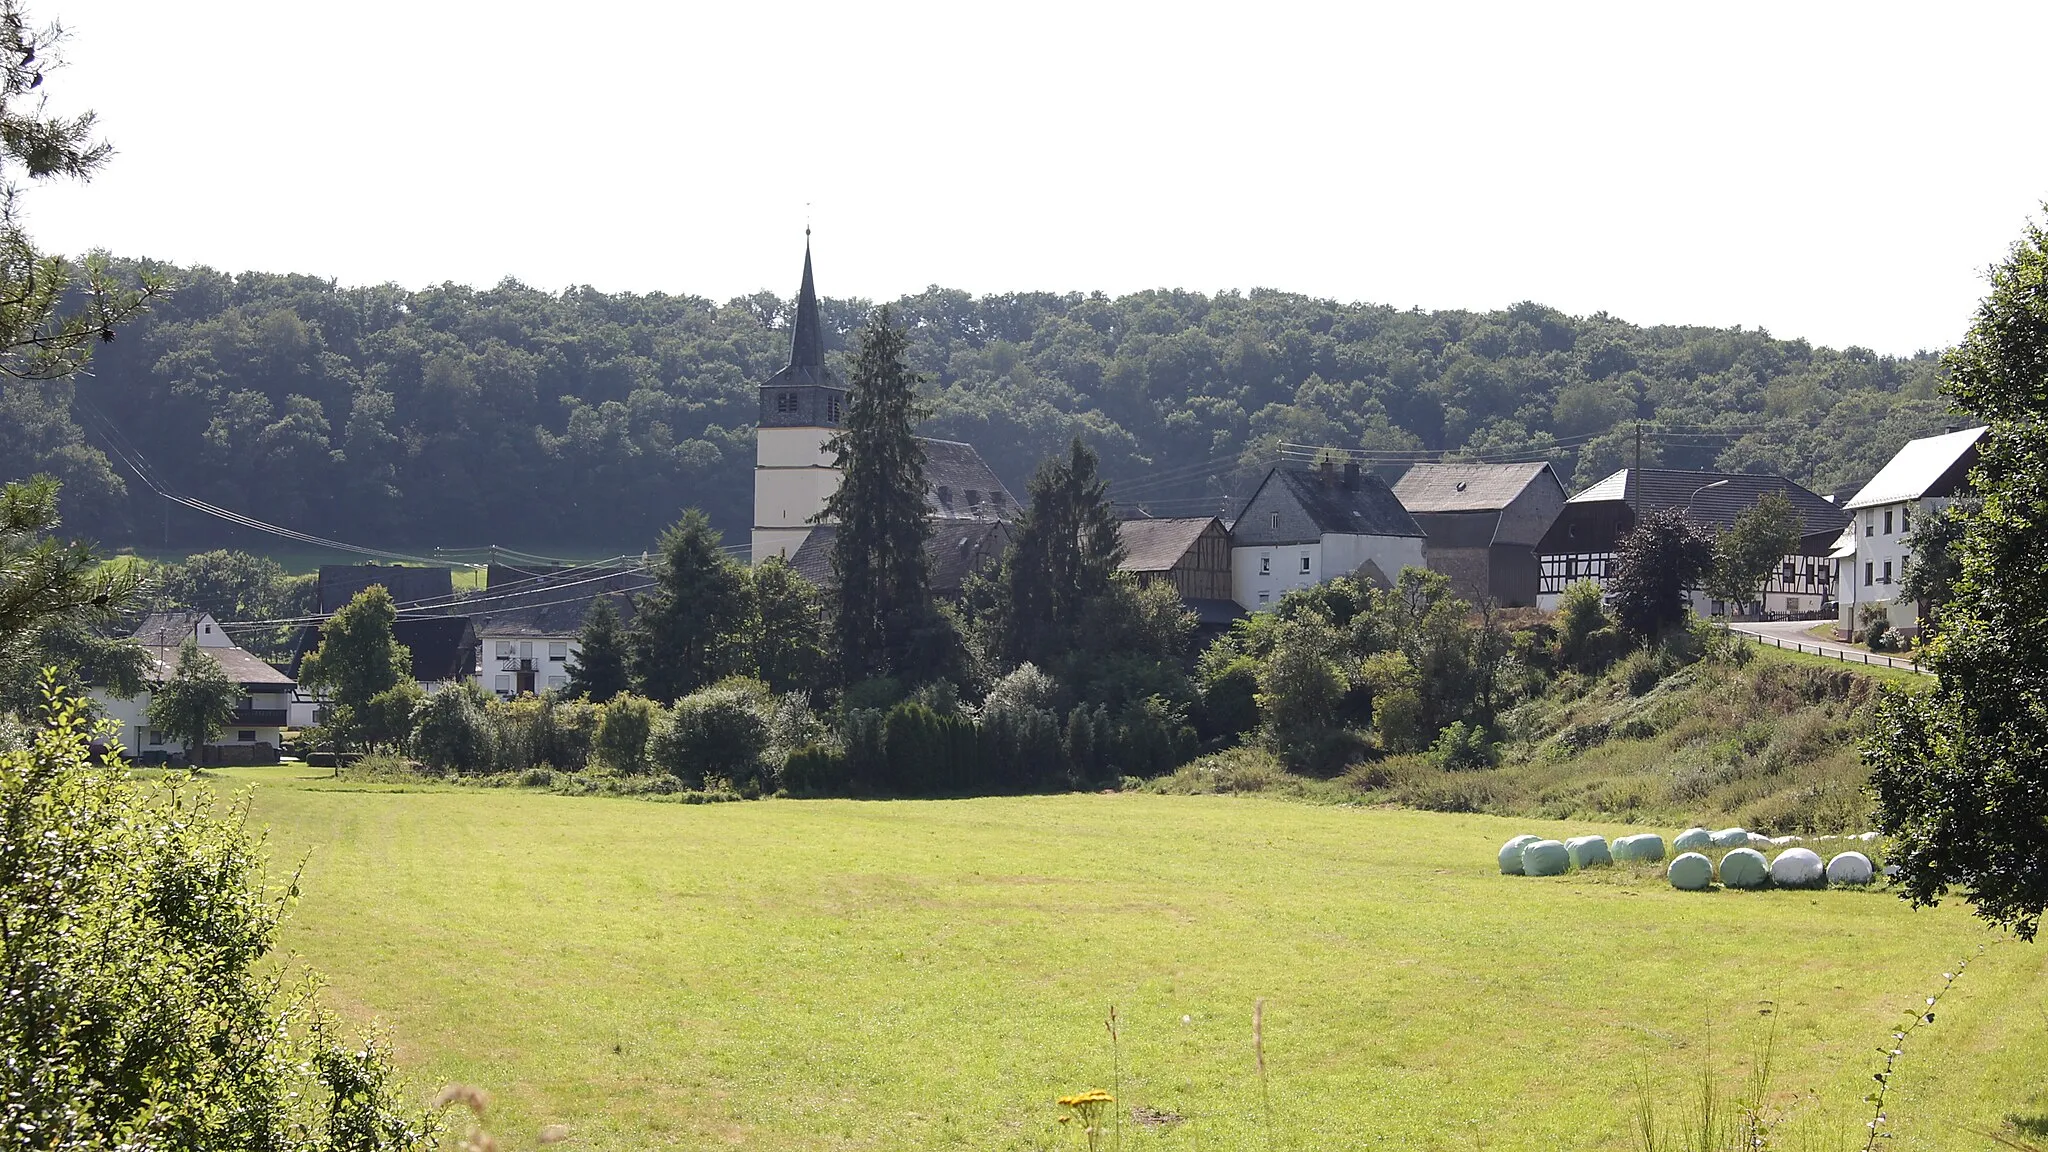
column 801, row 407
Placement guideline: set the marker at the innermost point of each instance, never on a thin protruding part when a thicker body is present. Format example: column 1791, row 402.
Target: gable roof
column 169, row 629
column 1156, row 545
column 1929, row 466
column 1350, row 503
column 1467, row 487
column 553, row 604
column 959, row 484
column 442, row 647
column 1712, row 499
column 243, row 667
column 408, row 585
column 954, row 551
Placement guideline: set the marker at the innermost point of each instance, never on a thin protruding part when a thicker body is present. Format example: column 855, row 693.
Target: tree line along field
column 840, row 974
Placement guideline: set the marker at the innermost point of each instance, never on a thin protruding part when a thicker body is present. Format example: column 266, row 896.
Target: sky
column 1839, row 172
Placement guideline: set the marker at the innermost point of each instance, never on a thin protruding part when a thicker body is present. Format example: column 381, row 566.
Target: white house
column 1303, row 526
column 1925, row 476
column 529, row 622
column 254, row 734
column 795, row 474
column 443, row 650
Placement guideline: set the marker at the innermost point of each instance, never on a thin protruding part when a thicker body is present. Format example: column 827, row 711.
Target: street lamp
column 1696, row 495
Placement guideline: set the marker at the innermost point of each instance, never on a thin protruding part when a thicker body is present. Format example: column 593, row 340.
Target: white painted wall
column 503, row 657
column 1884, row 546
column 1262, row 573
column 131, row 713
column 1344, row 555
column 793, row 477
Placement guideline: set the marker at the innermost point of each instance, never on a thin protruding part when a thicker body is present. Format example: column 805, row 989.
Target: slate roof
column 955, row 551
column 442, row 647
column 172, row 628
column 408, row 585
column 1156, row 545
column 1357, row 505
column 959, row 484
column 243, row 667
column 1215, row 613
column 1649, row 489
column 1465, row 487
column 806, row 339
column 553, row 604
column 1929, row 466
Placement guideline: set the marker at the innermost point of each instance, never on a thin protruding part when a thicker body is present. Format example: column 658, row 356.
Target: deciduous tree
column 1657, row 564
column 1751, row 549
column 357, row 659
column 196, row 702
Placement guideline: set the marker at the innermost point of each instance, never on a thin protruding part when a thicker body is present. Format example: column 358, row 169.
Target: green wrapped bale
column 1732, row 838
column 1545, row 858
column 1798, row 868
column 1643, row 846
column 1586, row 851
column 1745, row 868
column 1511, row 854
column 1691, row 872
column 1693, row 839
column 1850, row 868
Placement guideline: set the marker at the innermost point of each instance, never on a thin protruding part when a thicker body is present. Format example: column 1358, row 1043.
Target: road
column 1792, row 634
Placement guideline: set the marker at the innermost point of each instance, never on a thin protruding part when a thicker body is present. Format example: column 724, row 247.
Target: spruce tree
column 600, row 671
column 687, row 631
column 1065, row 556
column 884, row 611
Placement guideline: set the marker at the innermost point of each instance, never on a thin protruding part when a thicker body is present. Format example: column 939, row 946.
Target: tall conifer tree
column 1066, row 553
column 687, row 631
column 600, row 671
column 884, row 605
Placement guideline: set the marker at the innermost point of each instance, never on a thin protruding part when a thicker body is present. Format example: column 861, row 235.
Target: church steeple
column 807, row 339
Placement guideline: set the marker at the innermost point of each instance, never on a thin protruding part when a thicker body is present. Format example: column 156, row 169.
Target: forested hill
column 458, row 416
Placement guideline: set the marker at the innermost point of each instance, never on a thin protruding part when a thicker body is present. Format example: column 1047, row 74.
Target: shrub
column 1463, row 747
column 1151, row 737
column 715, row 734
column 624, row 724
column 385, row 720
column 1025, row 686
column 452, row 731
column 1230, row 704
column 1396, row 700
column 815, row 770
column 140, row 1006
column 537, row 778
column 1023, row 750
column 927, row 753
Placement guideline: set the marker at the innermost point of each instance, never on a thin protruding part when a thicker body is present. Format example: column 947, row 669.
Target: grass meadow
column 840, row 975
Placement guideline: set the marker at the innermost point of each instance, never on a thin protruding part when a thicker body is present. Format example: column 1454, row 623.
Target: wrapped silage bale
column 1798, row 868
column 1511, row 854
column 1745, row 868
column 1760, row 841
column 1586, row 851
column 1691, row 872
column 1693, row 839
column 1643, row 846
column 1850, row 868
column 1732, row 838
column 1545, row 858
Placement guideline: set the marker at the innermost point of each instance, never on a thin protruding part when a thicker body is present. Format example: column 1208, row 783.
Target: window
column 1870, row 525
column 526, row 649
column 1906, row 518
column 1887, row 571
column 1304, row 563
column 246, row 735
column 156, row 737
column 785, row 402
column 1264, row 597
column 1276, row 520
column 1791, row 573
column 1867, row 568
column 558, row 650
column 1887, row 521
column 558, row 681
column 1265, row 565
column 832, row 410
column 504, row 649
column 504, row 685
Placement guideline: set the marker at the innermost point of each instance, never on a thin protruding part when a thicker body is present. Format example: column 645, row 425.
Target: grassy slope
column 889, row 975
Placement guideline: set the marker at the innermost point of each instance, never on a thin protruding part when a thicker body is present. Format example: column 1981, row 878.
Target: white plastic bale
column 1798, row 868
column 1642, row 846
column 1691, row 872
column 1586, row 851
column 1850, row 868
column 1732, row 838
column 1545, row 858
column 1745, row 868
column 1693, row 839
column 1511, row 854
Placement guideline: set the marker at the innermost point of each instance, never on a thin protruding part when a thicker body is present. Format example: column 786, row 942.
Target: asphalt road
column 1788, row 633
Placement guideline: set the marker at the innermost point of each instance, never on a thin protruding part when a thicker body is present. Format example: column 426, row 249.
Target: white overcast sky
column 1842, row 172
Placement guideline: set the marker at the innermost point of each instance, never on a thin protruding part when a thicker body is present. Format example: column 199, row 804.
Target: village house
column 1482, row 523
column 1190, row 553
column 795, row 474
column 1303, row 526
column 1583, row 542
column 443, row 652
column 1926, row 476
column 254, row 734
column 411, row 587
column 529, row 622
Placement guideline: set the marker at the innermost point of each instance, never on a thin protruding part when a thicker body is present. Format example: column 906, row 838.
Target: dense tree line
column 456, row 416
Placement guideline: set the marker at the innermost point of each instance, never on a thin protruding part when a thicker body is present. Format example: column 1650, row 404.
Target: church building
column 802, row 407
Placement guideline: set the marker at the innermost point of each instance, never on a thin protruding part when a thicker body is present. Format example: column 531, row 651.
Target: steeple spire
column 807, row 340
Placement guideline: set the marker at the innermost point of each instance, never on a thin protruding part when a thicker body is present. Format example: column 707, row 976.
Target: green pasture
column 932, row 975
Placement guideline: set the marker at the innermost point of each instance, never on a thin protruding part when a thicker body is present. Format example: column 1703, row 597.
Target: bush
column 815, row 770
column 1463, row 747
column 1023, row 687
column 624, row 724
column 140, row 1006
column 452, row 731
column 715, row 734
column 385, row 720
column 1151, row 737
column 1230, row 704
column 926, row 753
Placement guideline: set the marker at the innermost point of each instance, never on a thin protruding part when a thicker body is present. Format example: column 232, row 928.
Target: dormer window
column 945, row 496
column 974, row 497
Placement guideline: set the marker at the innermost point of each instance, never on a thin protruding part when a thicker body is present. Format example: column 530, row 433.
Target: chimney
column 1326, row 469
column 1351, row 476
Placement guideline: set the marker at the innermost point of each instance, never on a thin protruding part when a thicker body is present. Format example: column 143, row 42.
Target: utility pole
column 1639, row 445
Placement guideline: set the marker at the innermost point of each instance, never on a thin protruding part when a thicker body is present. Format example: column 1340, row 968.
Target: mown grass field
column 826, row 975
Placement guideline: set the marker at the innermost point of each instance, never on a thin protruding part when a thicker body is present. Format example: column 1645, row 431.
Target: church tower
column 801, row 407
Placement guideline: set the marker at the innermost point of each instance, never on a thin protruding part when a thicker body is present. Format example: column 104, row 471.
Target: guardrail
column 1833, row 652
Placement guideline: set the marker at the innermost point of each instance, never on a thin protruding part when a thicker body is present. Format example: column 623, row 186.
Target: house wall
column 131, row 714
column 793, row 477
column 1530, row 515
column 1871, row 577
column 1274, row 517
column 1262, row 573
column 502, row 659
column 1805, row 592
column 1344, row 555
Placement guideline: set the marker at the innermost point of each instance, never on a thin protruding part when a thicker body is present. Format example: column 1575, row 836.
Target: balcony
column 257, row 718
